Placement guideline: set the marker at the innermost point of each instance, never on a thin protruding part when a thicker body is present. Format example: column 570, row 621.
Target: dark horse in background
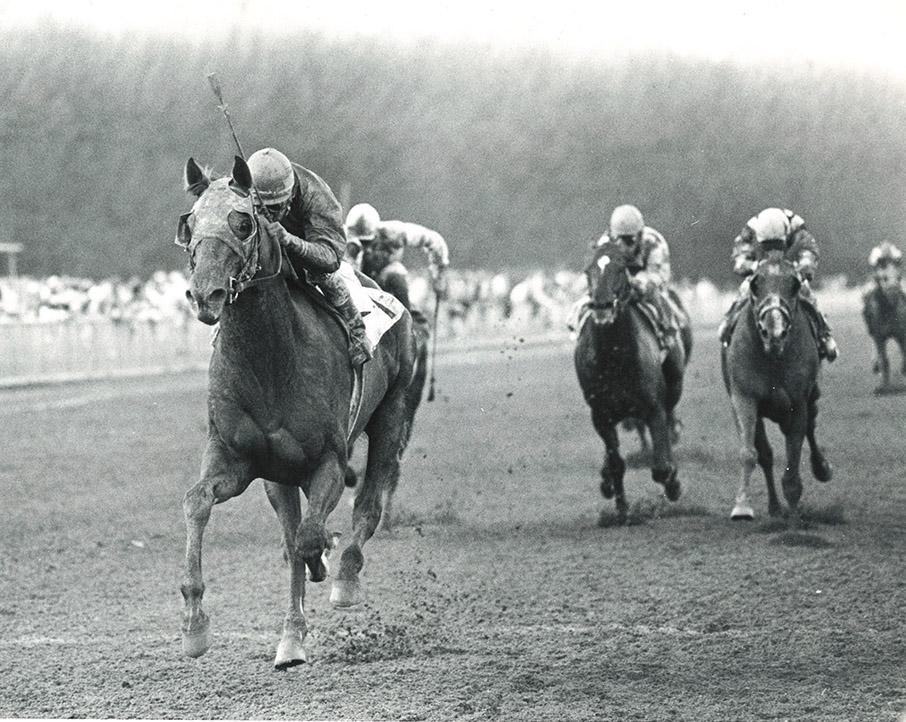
column 624, row 374
column 884, row 311
column 770, row 370
column 279, row 403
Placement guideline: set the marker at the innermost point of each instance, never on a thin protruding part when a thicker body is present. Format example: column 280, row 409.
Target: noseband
column 770, row 303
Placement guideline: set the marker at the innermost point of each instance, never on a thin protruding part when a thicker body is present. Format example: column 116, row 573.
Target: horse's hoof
column 672, row 488
column 822, row 470
column 742, row 512
column 195, row 644
column 346, row 593
column 290, row 652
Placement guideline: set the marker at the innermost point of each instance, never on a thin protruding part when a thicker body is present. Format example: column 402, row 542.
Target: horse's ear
column 242, row 176
column 196, row 179
column 797, row 285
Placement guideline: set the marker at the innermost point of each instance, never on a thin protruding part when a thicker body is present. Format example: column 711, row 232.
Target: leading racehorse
column 625, row 374
column 279, row 403
column 770, row 370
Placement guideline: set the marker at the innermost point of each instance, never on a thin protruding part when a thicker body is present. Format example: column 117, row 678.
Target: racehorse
column 624, row 374
column 770, row 370
column 280, row 394
column 884, row 311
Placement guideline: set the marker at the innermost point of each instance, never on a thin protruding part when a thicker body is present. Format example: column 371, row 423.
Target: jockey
column 886, row 261
column 782, row 230
column 649, row 266
column 382, row 244
column 302, row 213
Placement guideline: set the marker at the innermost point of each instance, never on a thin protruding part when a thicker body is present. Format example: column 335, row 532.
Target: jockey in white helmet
column 782, row 231
column 650, row 269
column 383, row 244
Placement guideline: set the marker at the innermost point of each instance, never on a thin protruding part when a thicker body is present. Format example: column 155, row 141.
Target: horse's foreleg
column 792, row 482
column 285, row 501
column 881, row 363
column 614, row 467
column 746, row 417
column 215, row 486
column 766, row 462
column 663, row 470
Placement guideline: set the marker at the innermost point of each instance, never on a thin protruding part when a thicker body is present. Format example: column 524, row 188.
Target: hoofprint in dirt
column 497, row 596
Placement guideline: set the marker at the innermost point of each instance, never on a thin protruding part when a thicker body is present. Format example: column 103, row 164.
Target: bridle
column 247, row 249
column 619, row 300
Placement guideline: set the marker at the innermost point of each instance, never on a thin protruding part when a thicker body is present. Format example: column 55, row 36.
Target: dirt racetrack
column 497, row 597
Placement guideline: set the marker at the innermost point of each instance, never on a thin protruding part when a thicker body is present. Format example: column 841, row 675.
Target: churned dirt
column 498, row 596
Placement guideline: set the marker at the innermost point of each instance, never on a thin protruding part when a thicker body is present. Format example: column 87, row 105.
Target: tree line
column 516, row 157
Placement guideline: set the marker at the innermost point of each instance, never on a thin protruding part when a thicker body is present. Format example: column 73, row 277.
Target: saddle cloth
column 380, row 310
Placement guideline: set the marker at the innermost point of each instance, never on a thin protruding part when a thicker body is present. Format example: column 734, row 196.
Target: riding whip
column 434, row 345
column 215, row 86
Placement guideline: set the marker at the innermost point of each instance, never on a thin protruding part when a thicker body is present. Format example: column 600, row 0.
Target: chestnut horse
column 624, row 374
column 279, row 403
column 770, row 370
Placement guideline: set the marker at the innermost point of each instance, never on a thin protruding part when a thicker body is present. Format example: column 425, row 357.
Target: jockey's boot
column 827, row 346
column 359, row 343
column 336, row 292
column 725, row 330
column 360, row 349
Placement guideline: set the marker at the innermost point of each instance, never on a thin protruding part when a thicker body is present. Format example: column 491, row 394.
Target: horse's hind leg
column 285, row 501
column 324, row 492
column 385, row 430
column 822, row 469
column 766, row 462
column 220, row 480
column 614, row 467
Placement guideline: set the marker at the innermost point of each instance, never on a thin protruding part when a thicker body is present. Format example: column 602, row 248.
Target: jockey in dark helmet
column 649, row 266
column 303, row 214
column 782, row 231
column 376, row 248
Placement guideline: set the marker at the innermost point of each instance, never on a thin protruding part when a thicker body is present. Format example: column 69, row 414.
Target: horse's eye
column 240, row 224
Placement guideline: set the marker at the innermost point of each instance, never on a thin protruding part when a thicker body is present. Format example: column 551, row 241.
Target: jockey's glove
column 313, row 256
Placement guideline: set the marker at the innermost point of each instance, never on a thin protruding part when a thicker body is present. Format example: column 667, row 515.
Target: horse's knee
column 748, row 457
column 197, row 502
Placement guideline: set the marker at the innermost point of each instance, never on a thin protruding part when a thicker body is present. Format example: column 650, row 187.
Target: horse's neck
column 261, row 331
column 617, row 340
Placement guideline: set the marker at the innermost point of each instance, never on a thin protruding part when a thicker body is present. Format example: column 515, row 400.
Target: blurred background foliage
column 517, row 158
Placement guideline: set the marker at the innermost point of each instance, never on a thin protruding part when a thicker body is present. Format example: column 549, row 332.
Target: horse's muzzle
column 209, row 307
column 604, row 315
